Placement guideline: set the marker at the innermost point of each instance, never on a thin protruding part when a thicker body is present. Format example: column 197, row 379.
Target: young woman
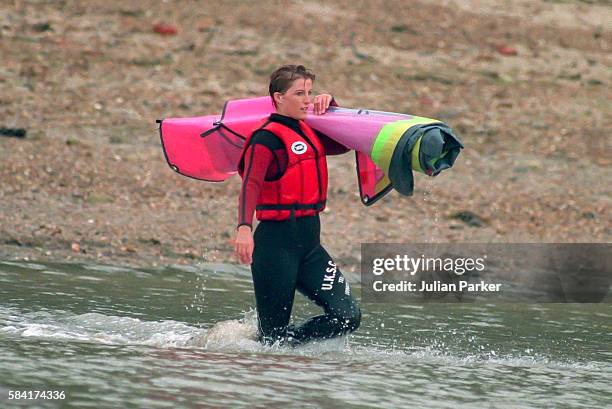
column 284, row 174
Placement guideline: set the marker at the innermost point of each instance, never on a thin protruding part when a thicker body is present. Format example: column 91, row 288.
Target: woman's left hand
column 321, row 103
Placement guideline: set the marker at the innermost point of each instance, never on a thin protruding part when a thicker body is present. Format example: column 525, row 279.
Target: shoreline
column 89, row 181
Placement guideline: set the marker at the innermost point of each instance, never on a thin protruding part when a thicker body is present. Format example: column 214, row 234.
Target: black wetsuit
column 288, row 255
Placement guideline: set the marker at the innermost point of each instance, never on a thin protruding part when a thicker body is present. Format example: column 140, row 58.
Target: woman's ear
column 278, row 98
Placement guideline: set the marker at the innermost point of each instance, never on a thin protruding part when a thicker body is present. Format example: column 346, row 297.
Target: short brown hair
column 282, row 78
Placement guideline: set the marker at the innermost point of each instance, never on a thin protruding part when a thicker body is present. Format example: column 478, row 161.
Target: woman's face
column 294, row 102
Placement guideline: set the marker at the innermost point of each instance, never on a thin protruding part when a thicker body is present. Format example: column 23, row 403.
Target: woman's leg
column 320, row 280
column 274, row 271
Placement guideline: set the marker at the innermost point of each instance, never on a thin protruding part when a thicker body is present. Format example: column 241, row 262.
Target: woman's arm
column 257, row 159
column 321, row 103
column 330, row 146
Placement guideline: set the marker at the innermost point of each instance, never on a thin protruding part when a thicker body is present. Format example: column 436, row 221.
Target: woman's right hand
column 243, row 246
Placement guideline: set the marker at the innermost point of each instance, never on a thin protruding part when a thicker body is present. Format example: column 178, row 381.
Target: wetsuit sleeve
column 330, row 146
column 257, row 159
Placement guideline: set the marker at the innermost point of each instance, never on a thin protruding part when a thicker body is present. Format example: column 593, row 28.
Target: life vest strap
column 295, row 206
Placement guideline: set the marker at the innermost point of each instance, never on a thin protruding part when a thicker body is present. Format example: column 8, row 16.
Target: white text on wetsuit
column 328, row 279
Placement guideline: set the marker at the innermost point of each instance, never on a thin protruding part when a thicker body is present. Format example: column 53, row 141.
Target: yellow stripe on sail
column 389, row 136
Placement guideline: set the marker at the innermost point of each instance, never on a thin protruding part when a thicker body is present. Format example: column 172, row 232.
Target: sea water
column 112, row 336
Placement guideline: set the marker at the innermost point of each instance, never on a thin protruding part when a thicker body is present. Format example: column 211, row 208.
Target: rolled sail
column 419, row 144
column 389, row 146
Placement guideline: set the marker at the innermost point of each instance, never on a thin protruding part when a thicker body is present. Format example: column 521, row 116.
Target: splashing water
column 184, row 336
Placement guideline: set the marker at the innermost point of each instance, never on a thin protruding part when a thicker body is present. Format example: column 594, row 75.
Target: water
column 120, row 337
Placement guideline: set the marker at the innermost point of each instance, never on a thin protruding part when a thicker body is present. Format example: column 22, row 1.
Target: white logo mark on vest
column 328, row 279
column 298, row 147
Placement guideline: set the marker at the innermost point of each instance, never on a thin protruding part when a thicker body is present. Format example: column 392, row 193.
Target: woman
column 284, row 176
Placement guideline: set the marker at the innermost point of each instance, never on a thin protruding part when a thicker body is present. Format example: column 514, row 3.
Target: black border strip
column 227, row 139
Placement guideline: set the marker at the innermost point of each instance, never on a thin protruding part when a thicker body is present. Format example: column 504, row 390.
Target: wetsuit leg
column 320, row 280
column 288, row 255
column 274, row 270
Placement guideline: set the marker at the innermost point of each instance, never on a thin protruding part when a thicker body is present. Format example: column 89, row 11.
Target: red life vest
column 302, row 189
